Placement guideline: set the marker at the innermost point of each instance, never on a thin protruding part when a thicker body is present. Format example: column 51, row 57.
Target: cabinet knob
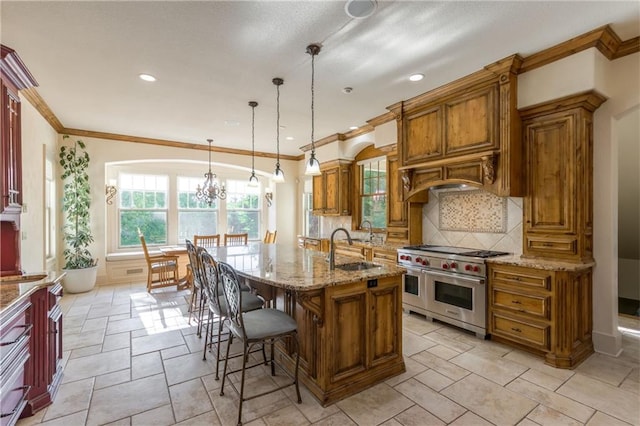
column 517, row 330
column 517, row 302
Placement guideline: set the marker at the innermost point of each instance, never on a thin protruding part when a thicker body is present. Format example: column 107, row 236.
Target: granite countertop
column 384, row 245
column 16, row 288
column 294, row 268
column 549, row 265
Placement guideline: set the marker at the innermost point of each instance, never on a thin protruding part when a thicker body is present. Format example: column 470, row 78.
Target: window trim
column 367, row 155
column 173, row 169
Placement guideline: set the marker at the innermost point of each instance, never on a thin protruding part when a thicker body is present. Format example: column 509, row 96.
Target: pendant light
column 210, row 191
column 313, row 166
column 253, row 180
column 278, row 174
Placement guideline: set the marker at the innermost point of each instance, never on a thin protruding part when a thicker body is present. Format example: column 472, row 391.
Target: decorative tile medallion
column 473, row 211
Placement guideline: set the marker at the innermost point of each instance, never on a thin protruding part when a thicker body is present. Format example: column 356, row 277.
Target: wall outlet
column 24, row 235
column 24, row 208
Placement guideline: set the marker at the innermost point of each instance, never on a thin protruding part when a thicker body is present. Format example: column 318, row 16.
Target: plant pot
column 79, row 280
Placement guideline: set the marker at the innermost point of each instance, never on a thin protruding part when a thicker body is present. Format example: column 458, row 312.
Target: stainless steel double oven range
column 447, row 284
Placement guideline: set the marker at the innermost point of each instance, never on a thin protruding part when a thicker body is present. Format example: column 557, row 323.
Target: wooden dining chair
column 206, row 241
column 162, row 269
column 270, row 237
column 236, row 239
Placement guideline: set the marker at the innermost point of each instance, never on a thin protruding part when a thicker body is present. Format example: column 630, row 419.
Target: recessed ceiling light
column 360, row 9
column 353, row 127
column 290, row 138
column 147, row 77
column 231, row 123
column 416, row 77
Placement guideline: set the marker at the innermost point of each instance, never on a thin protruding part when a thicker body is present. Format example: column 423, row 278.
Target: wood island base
column 350, row 335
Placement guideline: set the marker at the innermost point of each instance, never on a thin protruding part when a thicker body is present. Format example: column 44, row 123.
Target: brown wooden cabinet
column 465, row 132
column 44, row 368
column 14, row 356
column 384, row 255
column 546, row 311
column 14, row 76
column 332, row 189
column 366, row 323
column 558, row 208
column 404, row 218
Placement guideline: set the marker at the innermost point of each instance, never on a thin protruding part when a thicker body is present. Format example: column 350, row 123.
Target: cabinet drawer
column 397, row 234
column 14, row 331
column 526, row 277
column 549, row 246
column 527, row 332
column 348, row 250
column 13, row 388
column 385, row 256
column 536, row 305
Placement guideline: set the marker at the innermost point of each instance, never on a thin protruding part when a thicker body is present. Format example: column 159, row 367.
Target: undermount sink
column 19, row 279
column 356, row 266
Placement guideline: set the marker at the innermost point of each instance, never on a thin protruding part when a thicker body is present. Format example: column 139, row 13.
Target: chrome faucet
column 370, row 229
column 332, row 254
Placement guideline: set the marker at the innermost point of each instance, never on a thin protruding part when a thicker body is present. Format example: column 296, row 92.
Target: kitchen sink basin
column 356, row 266
column 19, row 279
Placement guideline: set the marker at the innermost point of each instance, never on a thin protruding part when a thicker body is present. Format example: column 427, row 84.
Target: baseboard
column 607, row 344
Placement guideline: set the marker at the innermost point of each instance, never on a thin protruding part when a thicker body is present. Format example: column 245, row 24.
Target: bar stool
column 217, row 305
column 252, row 328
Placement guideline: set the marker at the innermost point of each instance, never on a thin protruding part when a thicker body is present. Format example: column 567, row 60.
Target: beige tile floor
column 131, row 358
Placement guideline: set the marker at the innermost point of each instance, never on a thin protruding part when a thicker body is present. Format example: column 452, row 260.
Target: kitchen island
column 349, row 321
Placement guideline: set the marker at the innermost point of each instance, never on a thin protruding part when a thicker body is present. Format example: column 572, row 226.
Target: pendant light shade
column 253, row 180
column 313, row 166
column 278, row 174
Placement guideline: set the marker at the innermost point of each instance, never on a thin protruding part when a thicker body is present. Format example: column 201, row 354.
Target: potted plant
column 80, row 266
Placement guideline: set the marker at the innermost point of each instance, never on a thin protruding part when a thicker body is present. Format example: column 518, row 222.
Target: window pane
column 153, row 225
column 239, row 221
column 373, row 193
column 192, row 223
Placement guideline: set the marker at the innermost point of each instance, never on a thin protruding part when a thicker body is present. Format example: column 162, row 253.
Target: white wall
column 627, row 131
column 618, row 81
column 38, row 140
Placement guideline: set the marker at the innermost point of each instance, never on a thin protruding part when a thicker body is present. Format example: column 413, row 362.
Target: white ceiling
column 212, row 57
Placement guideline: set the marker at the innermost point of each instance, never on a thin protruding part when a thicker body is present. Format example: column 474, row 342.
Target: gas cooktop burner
column 462, row 251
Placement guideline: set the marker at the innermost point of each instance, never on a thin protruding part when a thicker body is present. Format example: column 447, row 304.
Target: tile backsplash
column 473, row 218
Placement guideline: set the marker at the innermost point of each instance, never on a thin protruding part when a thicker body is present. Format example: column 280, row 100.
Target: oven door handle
column 475, row 280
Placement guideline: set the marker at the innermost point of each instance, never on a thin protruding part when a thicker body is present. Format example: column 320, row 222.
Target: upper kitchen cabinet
column 558, row 208
column 466, row 132
column 14, row 76
column 332, row 189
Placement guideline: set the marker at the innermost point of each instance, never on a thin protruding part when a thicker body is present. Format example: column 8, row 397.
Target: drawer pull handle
column 517, row 330
column 27, row 329
column 547, row 245
column 25, row 391
column 517, row 302
column 516, row 278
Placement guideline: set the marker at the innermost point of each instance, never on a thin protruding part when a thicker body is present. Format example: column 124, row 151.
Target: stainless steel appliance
column 447, row 283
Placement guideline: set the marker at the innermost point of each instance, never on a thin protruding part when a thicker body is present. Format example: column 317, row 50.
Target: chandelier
column 253, row 180
column 313, row 166
column 278, row 174
column 210, row 189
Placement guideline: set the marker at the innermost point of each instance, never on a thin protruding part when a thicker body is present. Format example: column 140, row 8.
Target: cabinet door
column 11, row 151
column 384, row 324
column 550, row 224
column 332, row 194
column 348, row 315
column 422, row 136
column 345, row 188
column 318, row 194
column 396, row 208
column 471, row 124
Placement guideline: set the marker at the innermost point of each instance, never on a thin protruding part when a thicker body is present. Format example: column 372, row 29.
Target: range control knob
column 476, row 269
column 425, row 262
column 467, row 267
column 453, row 265
column 418, row 260
column 445, row 266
